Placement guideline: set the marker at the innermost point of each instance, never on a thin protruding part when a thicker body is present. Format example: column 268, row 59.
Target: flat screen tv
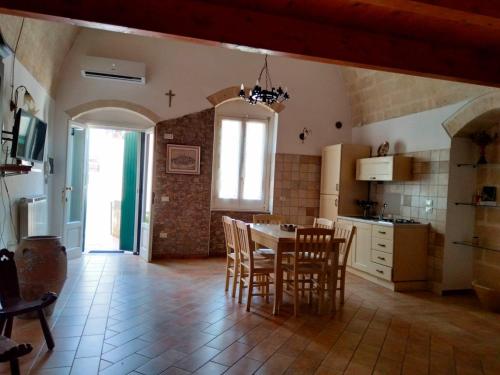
column 28, row 137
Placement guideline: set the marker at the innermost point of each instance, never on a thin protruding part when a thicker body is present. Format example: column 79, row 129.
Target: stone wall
column 377, row 96
column 487, row 228
column 430, row 181
column 296, row 187
column 181, row 226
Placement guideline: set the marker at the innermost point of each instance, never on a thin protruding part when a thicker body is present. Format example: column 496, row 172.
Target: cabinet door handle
column 373, row 178
column 381, row 244
column 381, row 258
column 336, row 202
column 337, row 187
column 379, row 271
column 382, row 232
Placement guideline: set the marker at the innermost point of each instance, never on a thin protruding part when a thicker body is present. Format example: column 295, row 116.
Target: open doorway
column 111, row 199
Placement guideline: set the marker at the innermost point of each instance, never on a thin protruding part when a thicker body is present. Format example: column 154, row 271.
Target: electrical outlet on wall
column 429, row 206
column 165, row 198
column 163, row 235
column 168, row 136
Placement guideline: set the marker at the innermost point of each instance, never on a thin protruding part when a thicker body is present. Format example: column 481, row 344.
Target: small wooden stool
column 10, row 351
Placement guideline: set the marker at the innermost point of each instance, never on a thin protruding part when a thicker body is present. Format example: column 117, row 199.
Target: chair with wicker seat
column 253, row 273
column 232, row 256
column 310, row 263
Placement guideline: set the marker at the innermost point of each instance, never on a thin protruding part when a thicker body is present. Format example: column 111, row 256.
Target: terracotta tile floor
column 119, row 315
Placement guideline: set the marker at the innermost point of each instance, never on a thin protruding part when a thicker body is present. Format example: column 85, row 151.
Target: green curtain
column 128, row 214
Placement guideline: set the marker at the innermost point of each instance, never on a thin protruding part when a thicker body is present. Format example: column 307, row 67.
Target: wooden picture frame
column 183, row 159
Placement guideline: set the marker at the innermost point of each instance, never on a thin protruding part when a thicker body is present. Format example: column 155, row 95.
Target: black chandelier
column 267, row 95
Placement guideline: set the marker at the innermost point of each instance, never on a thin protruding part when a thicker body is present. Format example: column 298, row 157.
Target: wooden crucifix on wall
column 170, row 95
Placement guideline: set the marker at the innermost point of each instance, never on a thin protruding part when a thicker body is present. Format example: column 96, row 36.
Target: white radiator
column 33, row 216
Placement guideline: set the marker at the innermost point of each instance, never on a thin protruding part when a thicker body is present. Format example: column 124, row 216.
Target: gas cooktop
column 400, row 221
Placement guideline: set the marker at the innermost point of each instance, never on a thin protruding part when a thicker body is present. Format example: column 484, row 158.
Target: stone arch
column 120, row 104
column 485, row 105
column 232, row 93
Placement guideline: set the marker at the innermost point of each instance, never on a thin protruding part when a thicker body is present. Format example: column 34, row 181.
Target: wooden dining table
column 281, row 241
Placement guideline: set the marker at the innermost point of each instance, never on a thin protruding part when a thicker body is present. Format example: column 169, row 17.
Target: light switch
column 168, row 136
column 163, row 235
column 165, row 198
column 429, row 206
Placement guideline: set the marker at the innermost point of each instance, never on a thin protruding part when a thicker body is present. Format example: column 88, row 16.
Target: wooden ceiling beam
column 217, row 22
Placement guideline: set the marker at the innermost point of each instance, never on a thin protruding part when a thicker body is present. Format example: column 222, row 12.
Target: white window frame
column 241, row 204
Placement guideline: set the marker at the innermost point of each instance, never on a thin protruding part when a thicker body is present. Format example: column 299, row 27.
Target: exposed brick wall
column 185, row 219
column 430, row 181
column 377, row 96
column 296, row 187
column 487, row 263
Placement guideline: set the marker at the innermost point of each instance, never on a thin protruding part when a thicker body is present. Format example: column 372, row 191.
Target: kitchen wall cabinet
column 339, row 188
column 394, row 256
column 385, row 168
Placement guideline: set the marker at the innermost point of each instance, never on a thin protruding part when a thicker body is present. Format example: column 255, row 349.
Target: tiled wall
column 181, row 225
column 296, row 187
column 430, row 181
column 487, row 228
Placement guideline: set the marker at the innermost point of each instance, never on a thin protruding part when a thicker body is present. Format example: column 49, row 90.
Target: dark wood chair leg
column 8, row 327
column 14, row 367
column 46, row 330
column 2, row 325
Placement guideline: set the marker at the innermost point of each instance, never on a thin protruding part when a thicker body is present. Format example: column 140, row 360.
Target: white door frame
column 146, row 229
column 73, row 231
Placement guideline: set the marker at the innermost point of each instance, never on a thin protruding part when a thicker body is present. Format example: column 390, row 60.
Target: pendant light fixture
column 267, row 94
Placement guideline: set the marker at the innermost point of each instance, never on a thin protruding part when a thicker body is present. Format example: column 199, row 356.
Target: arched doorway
column 108, row 189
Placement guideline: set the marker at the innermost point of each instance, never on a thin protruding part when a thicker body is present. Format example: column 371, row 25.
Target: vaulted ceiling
column 454, row 39
column 42, row 46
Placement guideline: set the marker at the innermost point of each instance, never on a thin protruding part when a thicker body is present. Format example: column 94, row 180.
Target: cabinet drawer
column 380, row 271
column 382, row 231
column 382, row 258
column 381, row 244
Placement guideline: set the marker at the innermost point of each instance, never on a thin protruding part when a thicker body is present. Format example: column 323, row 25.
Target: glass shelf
column 475, row 205
column 470, row 244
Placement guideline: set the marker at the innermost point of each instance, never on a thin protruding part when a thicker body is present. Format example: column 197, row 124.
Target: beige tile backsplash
column 430, row 182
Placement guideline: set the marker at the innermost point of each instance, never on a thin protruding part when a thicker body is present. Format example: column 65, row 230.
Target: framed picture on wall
column 183, row 159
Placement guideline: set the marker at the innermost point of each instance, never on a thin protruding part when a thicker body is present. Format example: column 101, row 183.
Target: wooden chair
column 313, row 247
column 268, row 219
column 232, row 256
column 13, row 305
column 347, row 232
column 253, row 273
column 320, row 222
column 10, row 351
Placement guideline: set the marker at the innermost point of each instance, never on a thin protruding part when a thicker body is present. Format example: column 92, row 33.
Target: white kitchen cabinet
column 385, row 168
column 361, row 247
column 329, row 206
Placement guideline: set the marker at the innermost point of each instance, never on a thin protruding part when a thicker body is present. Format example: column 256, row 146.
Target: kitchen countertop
column 378, row 222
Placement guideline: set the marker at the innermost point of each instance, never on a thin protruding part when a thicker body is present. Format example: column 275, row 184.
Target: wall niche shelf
column 470, row 244
column 14, row 169
column 476, row 205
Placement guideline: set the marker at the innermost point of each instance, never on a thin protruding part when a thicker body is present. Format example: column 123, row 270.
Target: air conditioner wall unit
column 113, row 69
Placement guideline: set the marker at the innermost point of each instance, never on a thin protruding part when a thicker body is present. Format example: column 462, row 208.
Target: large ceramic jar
column 41, row 267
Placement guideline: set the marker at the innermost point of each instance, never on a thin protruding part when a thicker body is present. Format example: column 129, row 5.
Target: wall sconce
column 306, row 132
column 27, row 100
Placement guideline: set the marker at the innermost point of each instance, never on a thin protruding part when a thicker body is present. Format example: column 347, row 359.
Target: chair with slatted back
column 320, row 222
column 232, row 256
column 253, row 273
column 13, row 305
column 10, row 351
column 310, row 263
column 347, row 232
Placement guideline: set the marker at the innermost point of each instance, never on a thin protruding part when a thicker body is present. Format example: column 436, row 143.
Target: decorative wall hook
column 306, row 132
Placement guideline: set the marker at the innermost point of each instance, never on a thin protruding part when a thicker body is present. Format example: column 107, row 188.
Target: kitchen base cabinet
column 394, row 256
